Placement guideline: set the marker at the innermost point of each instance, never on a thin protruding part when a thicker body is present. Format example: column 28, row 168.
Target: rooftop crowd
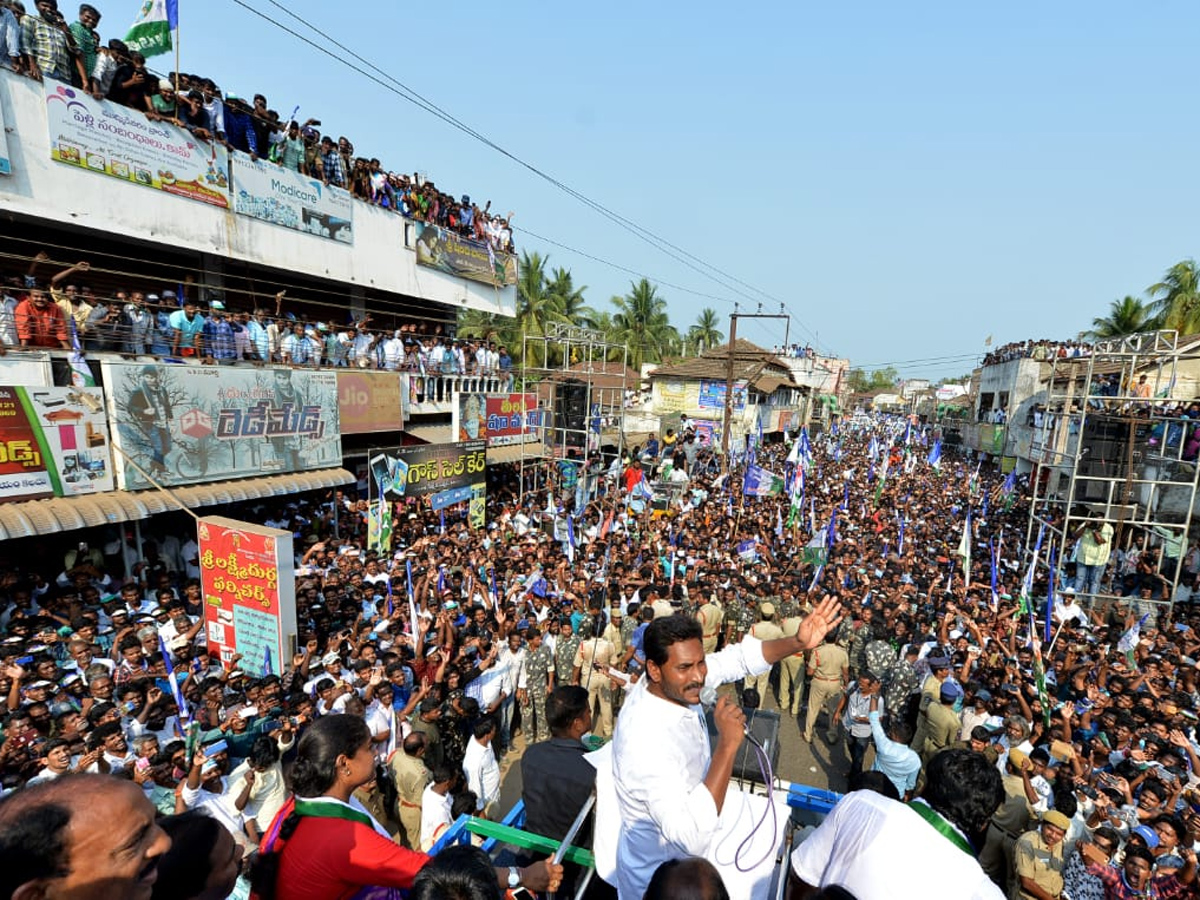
column 533, row 626
column 41, row 44
column 1037, row 349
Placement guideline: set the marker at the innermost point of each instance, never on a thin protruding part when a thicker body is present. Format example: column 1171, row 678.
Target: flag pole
column 178, row 38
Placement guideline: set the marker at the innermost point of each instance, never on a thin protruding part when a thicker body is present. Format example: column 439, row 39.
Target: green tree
column 642, row 324
column 1177, row 297
column 536, row 308
column 705, row 335
column 569, row 299
column 1129, row 315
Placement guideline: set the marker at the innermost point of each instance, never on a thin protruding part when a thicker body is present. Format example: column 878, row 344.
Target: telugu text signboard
column 109, row 139
column 263, row 190
column 192, row 424
column 53, row 442
column 427, row 468
column 249, row 589
column 501, row 419
column 369, row 402
column 453, row 254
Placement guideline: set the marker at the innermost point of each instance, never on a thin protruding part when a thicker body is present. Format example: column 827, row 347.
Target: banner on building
column 5, row 159
column 263, row 190
column 369, row 401
column 53, row 443
column 194, row 424
column 109, row 139
column 426, row 468
column 27, row 369
column 500, row 419
column 453, row 254
column 712, row 395
column 672, row 396
column 249, row 589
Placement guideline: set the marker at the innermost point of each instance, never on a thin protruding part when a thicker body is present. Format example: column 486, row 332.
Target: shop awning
column 511, row 453
column 430, row 434
column 33, row 517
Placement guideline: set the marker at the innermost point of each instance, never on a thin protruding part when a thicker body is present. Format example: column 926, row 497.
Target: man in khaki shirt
column 710, row 616
column 943, row 724
column 828, row 674
column 765, row 630
column 411, row 776
column 593, row 653
column 1010, row 821
column 1038, row 860
column 791, row 670
column 939, row 668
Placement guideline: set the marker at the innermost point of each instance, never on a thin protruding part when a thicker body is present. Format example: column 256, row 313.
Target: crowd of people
column 534, row 633
column 40, row 44
column 53, row 313
column 1043, row 349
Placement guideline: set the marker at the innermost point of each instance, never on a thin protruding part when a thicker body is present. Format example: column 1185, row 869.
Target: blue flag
column 935, row 455
column 267, row 669
column 176, row 691
column 1050, row 599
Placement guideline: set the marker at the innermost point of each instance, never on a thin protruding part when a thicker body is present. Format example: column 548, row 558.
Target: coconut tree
column 1177, row 297
column 705, row 335
column 536, row 306
column 1129, row 315
column 642, row 324
column 569, row 299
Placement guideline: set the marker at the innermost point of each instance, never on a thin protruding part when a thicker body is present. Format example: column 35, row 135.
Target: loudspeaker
column 570, row 412
column 764, row 725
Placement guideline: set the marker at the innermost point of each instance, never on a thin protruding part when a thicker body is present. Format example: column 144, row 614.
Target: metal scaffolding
column 581, row 394
column 1104, row 451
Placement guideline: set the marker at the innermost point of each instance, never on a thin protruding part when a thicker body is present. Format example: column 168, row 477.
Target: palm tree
column 569, row 299
column 705, row 335
column 641, row 323
column 1128, row 315
column 536, row 306
column 1177, row 297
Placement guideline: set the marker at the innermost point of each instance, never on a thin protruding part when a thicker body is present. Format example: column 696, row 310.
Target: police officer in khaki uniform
column 1038, row 860
column 765, row 630
column 1010, row 821
column 939, row 667
column 828, row 674
column 710, row 616
column 791, row 668
column 411, row 777
column 942, row 723
column 592, row 660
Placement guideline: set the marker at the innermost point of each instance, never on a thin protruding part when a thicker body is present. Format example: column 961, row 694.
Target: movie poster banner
column 263, row 190
column 369, row 401
column 249, row 589
column 453, row 254
column 500, row 419
column 712, row 395
column 194, row 424
column 114, row 140
column 53, row 443
column 426, row 468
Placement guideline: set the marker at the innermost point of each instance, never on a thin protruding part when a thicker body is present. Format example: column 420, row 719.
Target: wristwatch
column 514, row 876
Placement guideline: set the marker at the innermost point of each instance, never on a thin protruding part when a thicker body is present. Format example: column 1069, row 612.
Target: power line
column 402, row 90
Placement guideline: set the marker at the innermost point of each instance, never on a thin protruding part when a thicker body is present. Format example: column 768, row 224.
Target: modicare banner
column 53, row 443
column 192, row 424
column 249, row 589
column 453, row 254
column 263, row 190
column 110, row 139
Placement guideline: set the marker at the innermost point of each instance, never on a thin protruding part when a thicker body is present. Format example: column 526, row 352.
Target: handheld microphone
column 708, row 699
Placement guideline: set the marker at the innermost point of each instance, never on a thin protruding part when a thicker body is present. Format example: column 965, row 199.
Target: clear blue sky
column 909, row 178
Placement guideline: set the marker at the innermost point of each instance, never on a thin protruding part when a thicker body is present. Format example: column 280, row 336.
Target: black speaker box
column 764, row 725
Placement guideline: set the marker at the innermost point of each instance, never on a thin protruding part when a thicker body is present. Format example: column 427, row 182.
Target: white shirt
column 486, row 689
column 482, row 772
column 867, row 839
column 267, row 794
column 381, row 718
column 435, row 815
column 220, row 806
column 660, row 756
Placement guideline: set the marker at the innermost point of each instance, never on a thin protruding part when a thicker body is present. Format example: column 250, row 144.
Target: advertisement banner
column 263, row 190
column 369, row 401
column 453, row 254
column 193, row 424
column 249, row 589
column 427, row 468
column 53, row 443
column 27, row 368
column 5, row 159
column 712, row 395
column 110, row 139
column 672, row 396
column 500, row 419
column 707, row 431
column 998, row 436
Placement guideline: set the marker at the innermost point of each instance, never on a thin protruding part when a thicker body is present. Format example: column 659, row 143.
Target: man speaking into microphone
column 670, row 787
